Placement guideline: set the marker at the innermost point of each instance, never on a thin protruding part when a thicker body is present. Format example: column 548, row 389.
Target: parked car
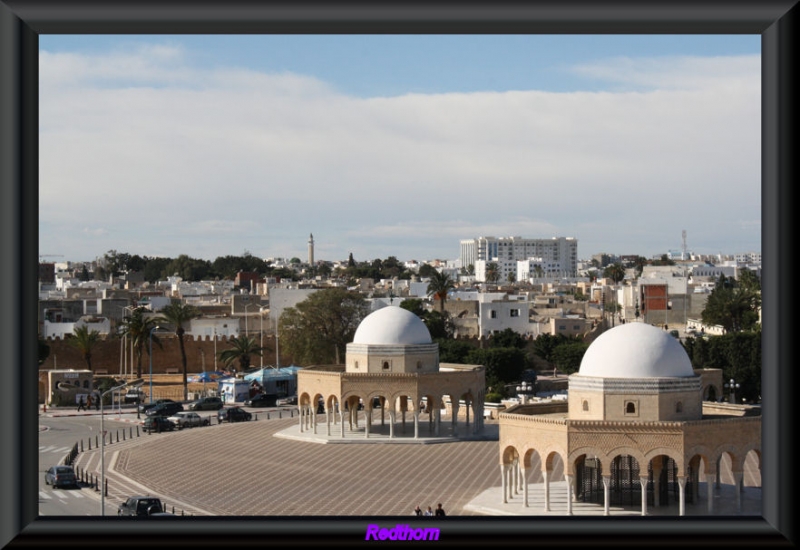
column 233, row 414
column 291, row 400
column 141, row 506
column 158, row 424
column 164, row 409
column 206, row 404
column 188, row 419
column 144, row 406
column 261, row 400
column 61, row 476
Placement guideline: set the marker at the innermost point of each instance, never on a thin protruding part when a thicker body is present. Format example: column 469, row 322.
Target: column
column 300, row 418
column 437, row 420
column 367, row 422
column 682, row 495
column 341, row 418
column 569, row 478
column 454, row 420
column 328, row 415
column 416, row 423
column 710, row 487
column 503, row 470
column 738, row 487
column 643, row 481
column 391, row 423
column 524, row 476
column 515, row 475
column 546, row 490
column 606, row 494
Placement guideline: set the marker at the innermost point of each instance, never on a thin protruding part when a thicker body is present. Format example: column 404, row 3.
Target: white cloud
column 142, row 140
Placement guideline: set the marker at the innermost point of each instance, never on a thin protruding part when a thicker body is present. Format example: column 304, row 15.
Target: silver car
column 61, row 476
column 188, row 419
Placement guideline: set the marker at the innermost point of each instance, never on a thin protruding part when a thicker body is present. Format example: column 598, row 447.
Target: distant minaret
column 310, row 249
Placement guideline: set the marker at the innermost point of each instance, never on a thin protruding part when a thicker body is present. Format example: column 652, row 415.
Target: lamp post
column 103, row 443
column 733, row 386
column 525, row 391
column 152, row 330
column 261, row 344
column 215, row 349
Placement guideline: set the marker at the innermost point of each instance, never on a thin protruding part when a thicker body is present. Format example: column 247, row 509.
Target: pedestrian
column 417, row 510
column 97, row 402
column 88, row 402
column 81, row 404
column 440, row 510
column 555, row 372
column 428, row 512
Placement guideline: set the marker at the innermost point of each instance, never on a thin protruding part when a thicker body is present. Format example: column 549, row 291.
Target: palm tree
column 439, row 285
column 85, row 340
column 615, row 272
column 137, row 328
column 241, row 350
column 177, row 313
column 492, row 272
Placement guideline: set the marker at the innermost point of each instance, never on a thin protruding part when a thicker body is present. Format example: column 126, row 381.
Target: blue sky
column 397, row 145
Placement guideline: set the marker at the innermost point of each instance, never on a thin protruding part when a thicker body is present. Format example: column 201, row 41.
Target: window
column 585, row 405
column 679, row 407
column 419, row 364
column 514, row 313
column 386, row 365
column 493, row 314
column 630, row 408
column 356, row 364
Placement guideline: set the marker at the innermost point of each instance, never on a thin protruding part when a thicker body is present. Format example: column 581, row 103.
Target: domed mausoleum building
column 634, row 429
column 391, row 365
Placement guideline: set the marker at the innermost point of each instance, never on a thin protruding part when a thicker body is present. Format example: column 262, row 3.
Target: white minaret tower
column 310, row 249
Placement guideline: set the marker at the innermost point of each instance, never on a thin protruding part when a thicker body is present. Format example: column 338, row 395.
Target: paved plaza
column 269, row 468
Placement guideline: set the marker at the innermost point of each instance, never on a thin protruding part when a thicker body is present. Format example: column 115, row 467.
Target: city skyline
column 397, row 145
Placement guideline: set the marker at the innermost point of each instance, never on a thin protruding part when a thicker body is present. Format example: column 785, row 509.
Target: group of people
column 429, row 512
column 86, row 405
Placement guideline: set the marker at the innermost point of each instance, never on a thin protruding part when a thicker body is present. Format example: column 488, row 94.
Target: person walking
column 81, row 404
column 96, row 402
column 88, row 403
column 417, row 510
column 439, row 510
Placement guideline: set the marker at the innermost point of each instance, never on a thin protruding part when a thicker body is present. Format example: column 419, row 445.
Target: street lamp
column 215, row 349
column 135, row 383
column 261, row 316
column 525, row 391
column 733, row 386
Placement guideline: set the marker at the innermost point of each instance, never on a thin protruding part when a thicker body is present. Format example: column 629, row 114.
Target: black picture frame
column 21, row 22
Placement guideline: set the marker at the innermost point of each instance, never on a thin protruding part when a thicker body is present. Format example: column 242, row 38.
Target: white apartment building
column 558, row 251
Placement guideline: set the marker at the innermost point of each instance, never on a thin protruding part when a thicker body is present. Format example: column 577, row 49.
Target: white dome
column 636, row 350
column 392, row 325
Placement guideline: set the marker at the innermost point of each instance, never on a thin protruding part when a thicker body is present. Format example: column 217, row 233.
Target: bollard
column 173, row 508
column 255, row 417
column 96, row 444
column 181, row 512
column 105, row 487
column 81, row 445
column 280, row 415
column 130, row 432
column 94, row 483
column 117, row 436
column 90, row 444
column 123, row 435
column 137, row 431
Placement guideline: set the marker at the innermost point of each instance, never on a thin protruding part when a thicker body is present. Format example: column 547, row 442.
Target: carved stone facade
column 392, row 365
column 628, row 436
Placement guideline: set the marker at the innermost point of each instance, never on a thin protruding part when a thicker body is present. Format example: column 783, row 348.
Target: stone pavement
column 264, row 468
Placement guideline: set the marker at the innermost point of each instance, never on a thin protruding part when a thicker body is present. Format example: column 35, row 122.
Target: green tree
column 318, row 329
column 615, row 272
column 241, row 349
column 414, row 305
column 177, row 314
column 508, row 338
column 492, row 272
column 438, row 287
column 512, row 277
column 44, row 350
column 567, row 356
column 503, row 364
column 137, row 328
column 426, row 270
column 733, row 306
column 85, row 341
column 439, row 324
